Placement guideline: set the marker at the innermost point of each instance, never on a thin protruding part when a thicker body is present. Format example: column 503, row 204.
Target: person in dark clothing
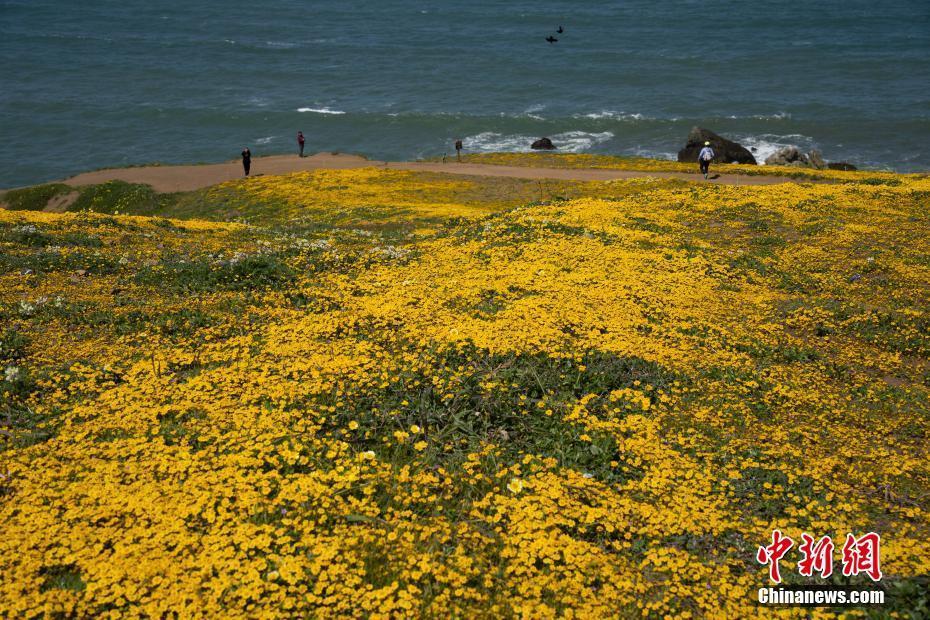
column 458, row 150
column 246, row 160
column 300, row 142
column 705, row 157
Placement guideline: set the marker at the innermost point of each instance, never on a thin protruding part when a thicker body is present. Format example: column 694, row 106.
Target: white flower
column 305, row 244
column 11, row 374
column 391, row 252
column 26, row 308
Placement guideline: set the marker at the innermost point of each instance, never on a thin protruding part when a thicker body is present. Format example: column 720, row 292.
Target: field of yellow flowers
column 643, row 164
column 375, row 393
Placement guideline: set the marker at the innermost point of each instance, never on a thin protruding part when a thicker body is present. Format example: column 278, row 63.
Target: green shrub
column 33, row 198
column 118, row 196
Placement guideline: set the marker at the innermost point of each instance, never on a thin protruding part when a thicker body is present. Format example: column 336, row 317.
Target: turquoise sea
column 118, row 82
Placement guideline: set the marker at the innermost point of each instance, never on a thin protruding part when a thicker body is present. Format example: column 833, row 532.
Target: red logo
column 773, row 553
column 817, row 557
column 860, row 555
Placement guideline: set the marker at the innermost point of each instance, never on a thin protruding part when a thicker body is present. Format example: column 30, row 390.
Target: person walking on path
column 246, row 160
column 705, row 157
column 300, row 142
column 458, row 150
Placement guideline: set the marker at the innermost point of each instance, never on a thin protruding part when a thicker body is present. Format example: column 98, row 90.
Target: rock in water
column 725, row 151
column 543, row 144
column 816, row 160
column 841, row 165
column 791, row 156
column 786, row 156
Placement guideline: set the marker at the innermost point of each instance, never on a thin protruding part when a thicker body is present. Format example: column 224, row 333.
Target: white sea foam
column 490, row 141
column 567, row 142
column 264, row 140
column 639, row 151
column 577, row 141
column 533, row 110
column 763, row 145
column 612, row 115
column 320, row 110
column 778, row 116
column 283, row 45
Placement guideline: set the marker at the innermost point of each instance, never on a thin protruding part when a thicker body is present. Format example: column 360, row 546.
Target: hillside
column 384, row 393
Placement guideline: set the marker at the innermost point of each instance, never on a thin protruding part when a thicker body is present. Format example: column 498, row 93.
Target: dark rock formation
column 786, row 156
column 543, row 144
column 792, row 156
column 816, row 160
column 725, row 151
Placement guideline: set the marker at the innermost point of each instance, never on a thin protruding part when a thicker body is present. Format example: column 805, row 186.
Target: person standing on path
column 458, row 150
column 705, row 157
column 246, row 160
column 300, row 142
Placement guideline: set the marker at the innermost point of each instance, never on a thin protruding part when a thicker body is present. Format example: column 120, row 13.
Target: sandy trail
column 188, row 178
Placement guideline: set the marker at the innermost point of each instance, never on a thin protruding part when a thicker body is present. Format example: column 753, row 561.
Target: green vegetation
column 33, row 198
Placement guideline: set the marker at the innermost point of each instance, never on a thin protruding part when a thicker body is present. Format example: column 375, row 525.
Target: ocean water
column 119, row 82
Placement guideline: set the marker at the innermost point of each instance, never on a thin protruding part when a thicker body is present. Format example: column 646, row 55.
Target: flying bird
column 551, row 39
column 560, row 31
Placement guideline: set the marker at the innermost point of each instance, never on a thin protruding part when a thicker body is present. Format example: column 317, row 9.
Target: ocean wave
column 651, row 153
column 614, row 116
column 763, row 145
column 264, row 140
column 320, row 110
column 566, row 142
column 778, row 116
column 532, row 112
column 283, row 45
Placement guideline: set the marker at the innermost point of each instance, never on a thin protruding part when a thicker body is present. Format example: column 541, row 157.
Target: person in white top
column 705, row 157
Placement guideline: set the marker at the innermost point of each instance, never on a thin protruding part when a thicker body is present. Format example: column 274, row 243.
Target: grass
column 409, row 394
column 62, row 577
column 232, row 202
column 250, row 272
column 581, row 161
column 33, row 198
column 121, row 197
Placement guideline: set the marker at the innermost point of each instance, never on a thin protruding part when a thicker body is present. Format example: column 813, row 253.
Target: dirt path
column 61, row 202
column 187, row 178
